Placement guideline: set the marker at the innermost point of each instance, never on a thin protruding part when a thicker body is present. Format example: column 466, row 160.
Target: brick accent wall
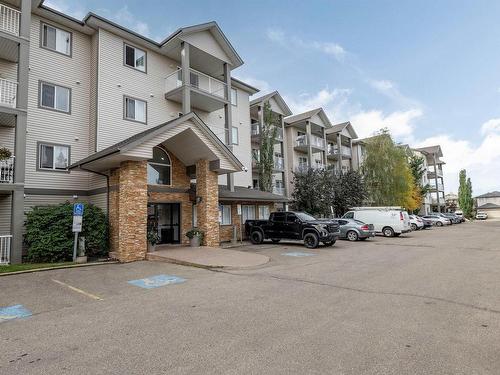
column 128, row 211
column 208, row 209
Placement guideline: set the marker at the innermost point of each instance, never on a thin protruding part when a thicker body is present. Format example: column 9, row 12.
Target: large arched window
column 159, row 168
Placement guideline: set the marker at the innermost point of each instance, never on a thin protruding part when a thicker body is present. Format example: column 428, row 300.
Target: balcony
column 318, row 166
column 432, row 174
column 333, row 151
column 7, row 171
column 255, row 133
column 279, row 163
column 8, row 93
column 10, row 20
column 5, row 241
column 278, row 190
column 440, row 187
column 317, row 143
column 207, row 93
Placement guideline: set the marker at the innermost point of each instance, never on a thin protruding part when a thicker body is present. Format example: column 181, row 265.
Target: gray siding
column 8, row 70
column 5, row 211
column 100, row 200
column 7, row 137
column 94, row 46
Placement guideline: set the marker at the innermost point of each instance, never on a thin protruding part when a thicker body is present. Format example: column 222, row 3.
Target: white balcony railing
column 7, row 170
column 8, row 92
column 5, row 249
column 255, row 129
column 346, row 150
column 278, row 190
column 316, row 141
column 9, row 19
column 279, row 163
column 197, row 79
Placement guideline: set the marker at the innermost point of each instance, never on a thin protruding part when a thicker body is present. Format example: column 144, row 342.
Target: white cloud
column 126, row 18
column 490, row 126
column 391, row 90
column 334, row 102
column 74, row 9
column 276, row 35
column 260, row 84
column 399, row 123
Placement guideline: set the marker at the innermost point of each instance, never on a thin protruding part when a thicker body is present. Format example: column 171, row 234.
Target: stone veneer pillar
column 128, row 211
column 207, row 188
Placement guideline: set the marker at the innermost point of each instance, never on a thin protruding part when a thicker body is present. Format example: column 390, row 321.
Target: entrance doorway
column 165, row 218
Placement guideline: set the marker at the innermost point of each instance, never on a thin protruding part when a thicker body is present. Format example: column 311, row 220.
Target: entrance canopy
column 188, row 137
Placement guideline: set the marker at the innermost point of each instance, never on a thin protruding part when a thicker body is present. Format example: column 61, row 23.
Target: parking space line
column 93, row 296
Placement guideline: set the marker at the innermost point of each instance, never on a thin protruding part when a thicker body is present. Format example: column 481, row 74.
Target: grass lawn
column 30, row 266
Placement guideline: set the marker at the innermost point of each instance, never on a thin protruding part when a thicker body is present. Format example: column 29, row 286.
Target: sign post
column 240, row 214
column 77, row 225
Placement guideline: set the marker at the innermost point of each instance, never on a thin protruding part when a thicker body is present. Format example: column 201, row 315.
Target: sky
column 427, row 70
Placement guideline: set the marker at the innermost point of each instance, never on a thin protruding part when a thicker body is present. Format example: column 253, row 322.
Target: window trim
column 125, row 97
column 235, row 96
column 237, row 135
column 268, row 212
column 40, row 83
column 170, row 165
column 125, row 44
column 230, row 215
column 38, row 147
column 53, row 50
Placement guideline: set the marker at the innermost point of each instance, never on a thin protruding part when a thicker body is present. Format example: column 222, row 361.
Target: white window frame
column 235, row 131
column 264, row 215
column 136, row 100
column 54, row 146
column 58, row 89
column 139, row 68
column 234, row 96
column 223, row 219
column 61, row 33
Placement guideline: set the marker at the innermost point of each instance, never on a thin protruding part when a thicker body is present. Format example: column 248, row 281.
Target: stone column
column 128, row 211
column 208, row 209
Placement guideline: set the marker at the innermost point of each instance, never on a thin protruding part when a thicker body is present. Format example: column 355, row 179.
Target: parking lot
column 426, row 302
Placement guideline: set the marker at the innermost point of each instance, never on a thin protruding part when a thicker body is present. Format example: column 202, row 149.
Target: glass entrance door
column 165, row 218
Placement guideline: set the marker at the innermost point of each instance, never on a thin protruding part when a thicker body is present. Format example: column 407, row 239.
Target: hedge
column 49, row 235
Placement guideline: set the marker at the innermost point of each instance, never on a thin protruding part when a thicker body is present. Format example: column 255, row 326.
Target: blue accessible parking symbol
column 13, row 312
column 298, row 254
column 157, row 281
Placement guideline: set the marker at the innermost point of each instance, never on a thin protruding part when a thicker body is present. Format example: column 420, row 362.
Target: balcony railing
column 432, row 174
column 334, row 150
column 302, row 167
column 316, row 141
column 5, row 241
column 8, row 92
column 198, row 80
column 278, row 190
column 7, row 170
column 9, row 19
column 255, row 129
column 318, row 166
column 279, row 163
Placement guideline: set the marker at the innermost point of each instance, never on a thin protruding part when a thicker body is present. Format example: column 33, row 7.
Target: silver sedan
column 354, row 230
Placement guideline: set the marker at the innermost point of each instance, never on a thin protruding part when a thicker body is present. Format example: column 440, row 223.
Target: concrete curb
column 58, row 268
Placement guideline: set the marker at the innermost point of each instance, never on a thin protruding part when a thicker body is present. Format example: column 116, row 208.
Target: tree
column 309, row 192
column 268, row 133
column 387, row 174
column 465, row 200
column 417, row 168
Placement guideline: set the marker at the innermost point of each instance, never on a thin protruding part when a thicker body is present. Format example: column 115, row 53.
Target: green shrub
column 49, row 235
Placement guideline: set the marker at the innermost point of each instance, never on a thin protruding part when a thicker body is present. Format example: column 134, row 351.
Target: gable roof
column 137, row 139
column 489, row 205
column 279, row 99
column 338, row 128
column 307, row 115
column 493, row 194
column 432, row 150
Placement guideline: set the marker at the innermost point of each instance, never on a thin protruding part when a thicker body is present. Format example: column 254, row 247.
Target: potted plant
column 153, row 239
column 5, row 153
column 195, row 237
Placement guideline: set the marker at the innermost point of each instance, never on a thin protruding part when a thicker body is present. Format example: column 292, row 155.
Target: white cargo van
column 390, row 221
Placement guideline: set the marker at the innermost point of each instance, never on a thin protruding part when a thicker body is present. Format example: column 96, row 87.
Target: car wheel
column 311, row 240
column 413, row 226
column 329, row 243
column 352, row 235
column 439, row 224
column 276, row 240
column 256, row 237
column 388, row 232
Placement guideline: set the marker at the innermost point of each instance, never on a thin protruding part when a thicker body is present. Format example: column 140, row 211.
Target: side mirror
column 297, row 221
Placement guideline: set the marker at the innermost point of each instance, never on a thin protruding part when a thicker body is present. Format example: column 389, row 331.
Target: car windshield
column 304, row 216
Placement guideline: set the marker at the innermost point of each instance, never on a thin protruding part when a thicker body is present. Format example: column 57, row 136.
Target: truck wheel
column 311, row 240
column 275, row 240
column 256, row 237
column 352, row 235
column 388, row 232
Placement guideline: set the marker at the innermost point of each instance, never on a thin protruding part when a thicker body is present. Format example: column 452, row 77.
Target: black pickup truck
column 294, row 226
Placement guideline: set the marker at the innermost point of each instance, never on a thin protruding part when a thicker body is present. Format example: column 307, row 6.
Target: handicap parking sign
column 78, row 209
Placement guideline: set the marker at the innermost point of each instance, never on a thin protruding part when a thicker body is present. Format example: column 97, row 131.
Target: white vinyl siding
column 263, row 212
column 225, row 214
column 53, row 157
column 55, row 97
column 134, row 57
column 135, row 109
column 56, row 39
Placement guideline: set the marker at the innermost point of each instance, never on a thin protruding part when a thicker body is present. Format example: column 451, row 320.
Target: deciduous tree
column 268, row 133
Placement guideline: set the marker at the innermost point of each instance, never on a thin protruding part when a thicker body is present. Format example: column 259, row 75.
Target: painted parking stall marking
column 13, row 312
column 298, row 254
column 157, row 281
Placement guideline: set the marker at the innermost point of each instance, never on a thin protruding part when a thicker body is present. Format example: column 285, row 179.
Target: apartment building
column 153, row 133
column 426, row 207
column 339, row 140
column 434, row 172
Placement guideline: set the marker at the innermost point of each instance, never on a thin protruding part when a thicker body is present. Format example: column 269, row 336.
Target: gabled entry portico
column 193, row 151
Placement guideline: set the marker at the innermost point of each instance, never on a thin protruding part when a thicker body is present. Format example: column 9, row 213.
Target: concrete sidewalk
column 207, row 257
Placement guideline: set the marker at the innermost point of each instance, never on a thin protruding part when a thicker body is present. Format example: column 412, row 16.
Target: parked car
column 294, row 226
column 481, row 216
column 416, row 222
column 454, row 218
column 427, row 222
column 460, row 214
column 389, row 221
column 353, row 230
column 437, row 220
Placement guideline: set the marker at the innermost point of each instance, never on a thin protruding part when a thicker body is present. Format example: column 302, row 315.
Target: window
column 263, row 212
column 53, row 157
column 54, row 97
column 256, row 154
column 279, row 217
column 291, row 218
column 247, row 213
column 135, row 58
column 159, row 168
column 135, row 109
column 234, row 135
column 255, row 183
column 225, row 214
column 234, row 96
column 349, row 215
column 56, row 39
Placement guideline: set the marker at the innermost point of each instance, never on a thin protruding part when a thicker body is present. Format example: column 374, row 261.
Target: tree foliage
column 387, row 174
column 318, row 192
column 465, row 200
column 417, row 168
column 268, row 133
column 49, row 235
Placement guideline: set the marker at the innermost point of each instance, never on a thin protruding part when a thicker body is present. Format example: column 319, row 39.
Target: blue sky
column 428, row 70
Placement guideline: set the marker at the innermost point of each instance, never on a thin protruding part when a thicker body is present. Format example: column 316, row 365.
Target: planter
column 151, row 247
column 194, row 242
